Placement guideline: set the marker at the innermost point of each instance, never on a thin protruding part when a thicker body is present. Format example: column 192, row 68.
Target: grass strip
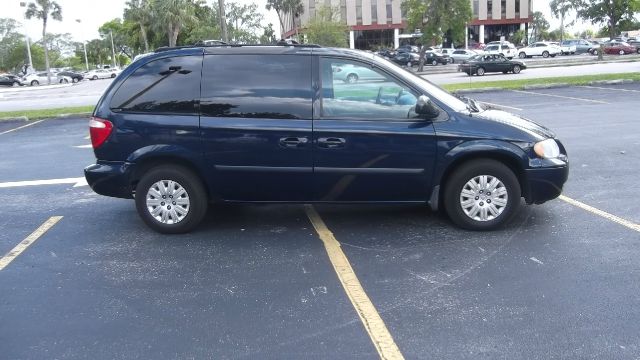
column 520, row 84
column 45, row 113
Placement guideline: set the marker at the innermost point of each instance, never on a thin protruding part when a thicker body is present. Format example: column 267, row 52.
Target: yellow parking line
column 24, row 244
column 599, row 212
column 377, row 330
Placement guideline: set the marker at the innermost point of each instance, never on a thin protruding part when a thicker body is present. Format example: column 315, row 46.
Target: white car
column 461, row 54
column 565, row 49
column 99, row 74
column 506, row 48
column 540, row 48
column 40, row 78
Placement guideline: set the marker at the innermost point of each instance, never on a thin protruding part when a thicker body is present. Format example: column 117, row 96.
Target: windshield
column 432, row 89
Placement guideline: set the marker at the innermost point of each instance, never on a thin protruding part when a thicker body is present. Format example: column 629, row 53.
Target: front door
column 368, row 143
column 256, row 123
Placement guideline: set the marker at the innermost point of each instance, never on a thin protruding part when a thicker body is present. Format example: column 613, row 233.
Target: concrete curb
column 545, row 86
column 60, row 116
column 35, row 88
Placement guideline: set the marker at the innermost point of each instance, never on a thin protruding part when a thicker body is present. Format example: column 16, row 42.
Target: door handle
column 331, row 142
column 293, row 142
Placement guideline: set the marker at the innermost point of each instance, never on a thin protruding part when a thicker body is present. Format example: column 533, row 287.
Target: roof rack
column 223, row 44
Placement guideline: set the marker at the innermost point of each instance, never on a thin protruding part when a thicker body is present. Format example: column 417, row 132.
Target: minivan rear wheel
column 171, row 199
column 482, row 195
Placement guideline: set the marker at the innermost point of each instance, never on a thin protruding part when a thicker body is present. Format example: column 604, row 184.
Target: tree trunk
column 172, row 33
column 281, row 25
column 46, row 50
column 423, row 50
column 143, row 31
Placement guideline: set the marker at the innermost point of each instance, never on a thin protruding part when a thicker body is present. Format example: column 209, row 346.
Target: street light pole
column 84, row 46
column 113, row 50
column 26, row 36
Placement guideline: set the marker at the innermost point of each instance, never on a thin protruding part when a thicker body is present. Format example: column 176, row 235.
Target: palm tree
column 139, row 12
column 43, row 9
column 173, row 15
column 295, row 8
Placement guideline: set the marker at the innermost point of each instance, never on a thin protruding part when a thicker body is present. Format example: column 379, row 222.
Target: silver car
column 40, row 78
column 352, row 74
column 461, row 54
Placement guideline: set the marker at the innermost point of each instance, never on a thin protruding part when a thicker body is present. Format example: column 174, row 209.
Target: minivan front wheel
column 482, row 195
column 171, row 199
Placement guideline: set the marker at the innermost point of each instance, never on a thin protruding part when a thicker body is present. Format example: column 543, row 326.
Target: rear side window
column 169, row 85
column 257, row 86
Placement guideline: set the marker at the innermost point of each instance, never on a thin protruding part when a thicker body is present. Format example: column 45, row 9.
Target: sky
column 93, row 13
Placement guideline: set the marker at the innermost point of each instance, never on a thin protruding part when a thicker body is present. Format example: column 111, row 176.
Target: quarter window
column 352, row 90
column 168, row 85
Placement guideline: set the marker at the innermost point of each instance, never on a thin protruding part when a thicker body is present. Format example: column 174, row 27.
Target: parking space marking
column 501, row 106
column 614, row 89
column 79, row 181
column 377, row 330
column 601, row 213
column 24, row 244
column 21, row 127
column 560, row 96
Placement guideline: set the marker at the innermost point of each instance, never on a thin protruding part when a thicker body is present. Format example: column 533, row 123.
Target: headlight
column 547, row 149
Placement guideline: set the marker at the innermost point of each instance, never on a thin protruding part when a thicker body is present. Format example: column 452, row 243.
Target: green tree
column 280, row 7
column 173, row 16
column 43, row 9
column 10, row 38
column 268, row 35
column 609, row 12
column 557, row 35
column 325, row 28
column 540, row 26
column 206, row 28
column 560, row 8
column 518, row 37
column 139, row 12
column 244, row 23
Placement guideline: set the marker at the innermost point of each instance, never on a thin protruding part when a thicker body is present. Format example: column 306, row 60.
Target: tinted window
column 375, row 96
column 257, row 86
column 458, row 52
column 169, row 85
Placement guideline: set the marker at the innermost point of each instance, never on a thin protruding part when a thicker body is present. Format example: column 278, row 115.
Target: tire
column 15, row 84
column 480, row 71
column 453, row 61
column 351, row 79
column 95, row 77
column 516, row 69
column 74, row 80
column 458, row 191
column 35, row 83
column 434, row 62
column 545, row 54
column 638, row 50
column 113, row 76
column 522, row 55
column 621, row 52
column 195, row 205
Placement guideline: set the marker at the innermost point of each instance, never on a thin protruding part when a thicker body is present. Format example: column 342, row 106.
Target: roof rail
column 222, row 44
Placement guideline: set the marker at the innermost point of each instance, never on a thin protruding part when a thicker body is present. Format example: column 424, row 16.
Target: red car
column 618, row 47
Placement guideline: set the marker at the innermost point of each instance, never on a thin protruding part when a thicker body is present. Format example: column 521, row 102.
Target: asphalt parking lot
column 255, row 281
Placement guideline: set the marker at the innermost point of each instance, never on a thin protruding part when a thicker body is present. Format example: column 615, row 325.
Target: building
column 381, row 23
column 495, row 18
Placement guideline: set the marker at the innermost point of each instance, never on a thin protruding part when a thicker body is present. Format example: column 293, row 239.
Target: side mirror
column 425, row 107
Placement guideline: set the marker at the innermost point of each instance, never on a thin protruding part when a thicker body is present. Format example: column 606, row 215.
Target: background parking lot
column 561, row 281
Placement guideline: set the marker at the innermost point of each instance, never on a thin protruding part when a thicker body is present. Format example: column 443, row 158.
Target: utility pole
column 113, row 50
column 223, row 21
column 84, row 46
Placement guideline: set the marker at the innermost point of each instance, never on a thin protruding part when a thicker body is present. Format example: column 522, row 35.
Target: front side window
column 354, row 90
column 168, row 85
column 257, row 86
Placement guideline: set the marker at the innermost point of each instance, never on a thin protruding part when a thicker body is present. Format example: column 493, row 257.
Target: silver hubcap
column 484, row 198
column 168, row 202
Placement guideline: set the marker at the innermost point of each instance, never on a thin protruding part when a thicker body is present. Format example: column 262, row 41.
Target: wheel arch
column 504, row 152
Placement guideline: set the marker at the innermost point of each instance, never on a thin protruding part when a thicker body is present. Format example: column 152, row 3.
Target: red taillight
column 100, row 129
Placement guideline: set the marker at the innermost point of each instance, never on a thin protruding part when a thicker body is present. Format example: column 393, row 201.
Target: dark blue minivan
column 185, row 127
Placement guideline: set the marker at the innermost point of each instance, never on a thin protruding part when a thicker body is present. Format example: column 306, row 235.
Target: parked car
column 618, row 47
column 35, row 79
column 75, row 77
column 477, row 46
column 10, row 80
column 116, row 71
column 482, row 64
column 352, row 74
column 406, row 58
column 540, row 48
column 566, row 49
column 99, row 74
column 581, row 46
column 188, row 126
column 387, row 53
column 507, row 49
column 408, row 48
column 460, row 55
column 61, row 79
column 434, row 58
column 635, row 43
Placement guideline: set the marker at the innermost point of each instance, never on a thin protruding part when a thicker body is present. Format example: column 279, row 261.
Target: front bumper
column 111, row 178
column 544, row 184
